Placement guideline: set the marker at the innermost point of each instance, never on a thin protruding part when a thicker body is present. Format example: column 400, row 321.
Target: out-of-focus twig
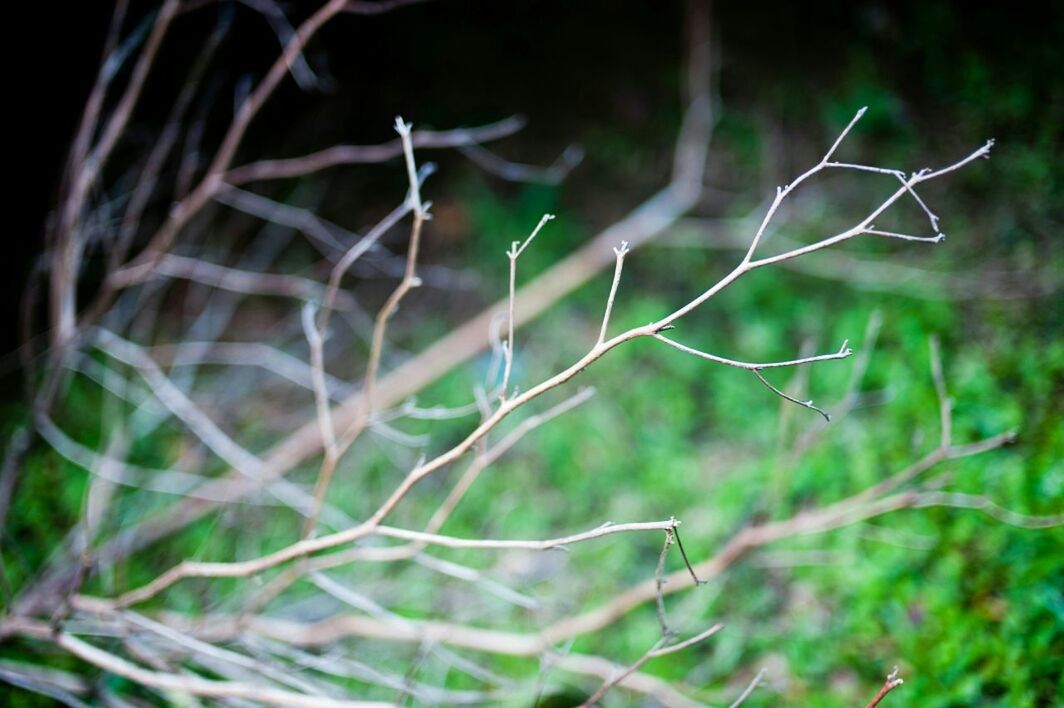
column 893, row 681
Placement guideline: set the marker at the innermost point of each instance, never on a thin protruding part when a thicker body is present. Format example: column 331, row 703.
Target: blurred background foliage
column 969, row 608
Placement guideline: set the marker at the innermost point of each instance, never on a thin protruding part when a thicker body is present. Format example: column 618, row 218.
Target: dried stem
column 410, row 279
column 754, row 683
column 659, row 649
column 892, row 682
column 508, row 405
column 516, row 249
column 194, row 685
column 620, row 253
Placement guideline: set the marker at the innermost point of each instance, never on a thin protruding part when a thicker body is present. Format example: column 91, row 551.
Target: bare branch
column 939, row 238
column 659, row 577
column 410, row 279
column 493, row 544
column 69, row 242
column 321, row 393
column 193, row 684
column 749, row 689
column 514, row 172
column 369, row 154
column 892, row 682
column 239, row 281
column 516, row 249
column 620, row 253
column 792, row 399
column 653, row 653
column 843, row 352
column 182, row 212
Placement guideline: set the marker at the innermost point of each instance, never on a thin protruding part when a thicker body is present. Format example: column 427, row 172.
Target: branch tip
column 402, row 127
column 424, row 172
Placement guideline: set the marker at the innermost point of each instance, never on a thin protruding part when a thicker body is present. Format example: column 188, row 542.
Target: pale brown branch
column 326, row 236
column 653, row 653
column 516, row 249
column 321, row 393
column 754, row 683
column 271, row 359
column 786, row 396
column 148, row 179
column 636, row 681
column 515, row 172
column 659, row 578
column 938, row 238
column 197, row 421
column 892, row 682
column 869, row 273
column 843, row 352
column 410, row 279
column 364, row 244
column 213, row 181
column 194, row 685
column 495, row 544
column 85, row 167
column 916, row 178
column 620, row 252
column 978, row 502
column 238, row 281
column 368, row 154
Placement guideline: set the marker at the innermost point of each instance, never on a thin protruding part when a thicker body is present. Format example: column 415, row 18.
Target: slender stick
column 516, row 249
column 653, row 653
column 892, row 682
column 620, row 253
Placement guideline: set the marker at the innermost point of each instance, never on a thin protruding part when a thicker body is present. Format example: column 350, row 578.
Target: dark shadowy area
column 941, row 70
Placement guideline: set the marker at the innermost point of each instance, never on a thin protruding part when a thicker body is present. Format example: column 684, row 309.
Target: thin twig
column 368, row 154
column 620, row 253
column 659, row 573
column 516, row 249
column 843, row 352
column 194, row 685
column 654, row 652
column 792, row 399
column 686, row 561
column 494, row 544
column 749, row 689
column 892, row 682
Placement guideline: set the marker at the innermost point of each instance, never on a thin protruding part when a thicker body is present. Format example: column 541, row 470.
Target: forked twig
column 893, row 681
column 516, row 249
column 659, row 649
